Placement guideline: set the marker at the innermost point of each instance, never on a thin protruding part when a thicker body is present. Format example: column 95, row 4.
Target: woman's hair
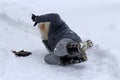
column 44, row 29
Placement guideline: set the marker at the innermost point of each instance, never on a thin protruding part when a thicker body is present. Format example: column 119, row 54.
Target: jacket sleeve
column 53, row 17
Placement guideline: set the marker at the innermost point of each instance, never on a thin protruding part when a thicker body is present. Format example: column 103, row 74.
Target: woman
column 64, row 46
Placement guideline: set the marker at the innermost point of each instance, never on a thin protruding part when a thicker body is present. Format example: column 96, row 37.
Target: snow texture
column 90, row 19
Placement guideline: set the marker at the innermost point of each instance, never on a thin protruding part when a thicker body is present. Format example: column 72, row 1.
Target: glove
column 22, row 53
column 34, row 19
column 67, row 60
column 73, row 47
column 82, row 46
column 85, row 45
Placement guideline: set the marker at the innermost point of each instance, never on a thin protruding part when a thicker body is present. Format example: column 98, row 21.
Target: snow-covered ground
column 91, row 19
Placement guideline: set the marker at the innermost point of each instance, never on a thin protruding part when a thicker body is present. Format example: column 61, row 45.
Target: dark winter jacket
column 58, row 30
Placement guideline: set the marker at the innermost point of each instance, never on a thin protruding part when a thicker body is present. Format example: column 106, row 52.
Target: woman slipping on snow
column 65, row 46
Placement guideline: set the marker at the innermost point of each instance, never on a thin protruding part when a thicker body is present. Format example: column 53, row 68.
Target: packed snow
column 90, row 19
